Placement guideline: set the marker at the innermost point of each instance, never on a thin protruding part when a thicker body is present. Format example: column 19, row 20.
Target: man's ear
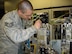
column 19, row 12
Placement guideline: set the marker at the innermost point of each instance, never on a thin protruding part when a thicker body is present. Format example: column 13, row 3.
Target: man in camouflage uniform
column 12, row 31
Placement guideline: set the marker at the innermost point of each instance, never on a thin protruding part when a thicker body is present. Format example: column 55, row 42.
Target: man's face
column 27, row 14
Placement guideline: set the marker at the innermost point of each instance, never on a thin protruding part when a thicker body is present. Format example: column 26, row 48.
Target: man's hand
column 38, row 24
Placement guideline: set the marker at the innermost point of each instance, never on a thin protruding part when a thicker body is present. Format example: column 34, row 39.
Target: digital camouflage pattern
column 12, row 32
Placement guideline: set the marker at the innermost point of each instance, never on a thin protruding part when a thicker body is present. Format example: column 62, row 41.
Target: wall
column 1, row 8
column 50, row 3
column 11, row 4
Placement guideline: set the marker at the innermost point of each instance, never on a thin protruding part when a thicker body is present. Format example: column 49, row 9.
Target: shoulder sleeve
column 17, row 34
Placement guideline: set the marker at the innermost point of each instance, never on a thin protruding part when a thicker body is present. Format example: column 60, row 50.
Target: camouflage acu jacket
column 12, row 32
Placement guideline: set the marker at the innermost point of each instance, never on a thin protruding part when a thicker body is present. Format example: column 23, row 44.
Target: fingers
column 38, row 24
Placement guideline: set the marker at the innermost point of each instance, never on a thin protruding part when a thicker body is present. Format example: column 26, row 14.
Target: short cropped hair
column 24, row 5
